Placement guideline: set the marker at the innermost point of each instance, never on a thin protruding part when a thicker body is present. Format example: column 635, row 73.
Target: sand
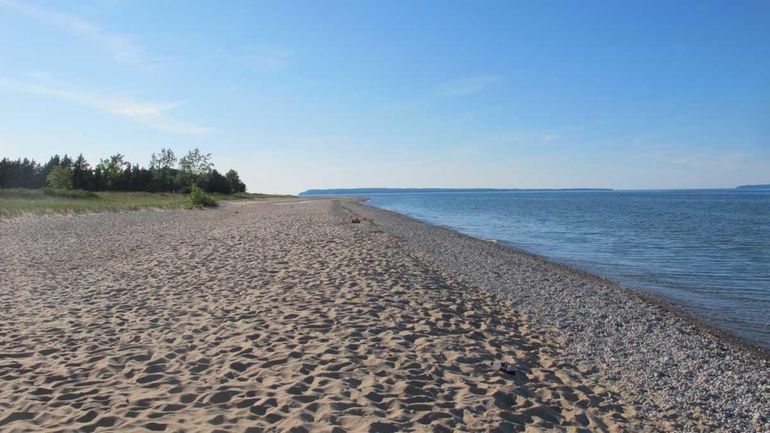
column 267, row 316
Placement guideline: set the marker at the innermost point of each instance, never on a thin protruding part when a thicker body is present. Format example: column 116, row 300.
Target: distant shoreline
column 764, row 187
column 355, row 191
column 373, row 191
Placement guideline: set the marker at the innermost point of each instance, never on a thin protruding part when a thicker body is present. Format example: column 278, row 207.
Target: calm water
column 707, row 250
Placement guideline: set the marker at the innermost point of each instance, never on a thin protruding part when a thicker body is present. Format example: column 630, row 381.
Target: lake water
column 706, row 250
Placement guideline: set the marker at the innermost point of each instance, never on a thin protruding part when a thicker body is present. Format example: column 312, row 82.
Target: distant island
column 367, row 191
column 752, row 187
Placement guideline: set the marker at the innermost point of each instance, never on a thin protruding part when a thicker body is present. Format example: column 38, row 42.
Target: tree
column 162, row 167
column 234, row 181
column 215, row 182
column 196, row 163
column 52, row 163
column 60, row 177
column 112, row 171
column 184, row 180
column 82, row 176
column 140, row 179
column 117, row 174
column 66, row 161
column 194, row 170
column 20, row 173
column 165, row 160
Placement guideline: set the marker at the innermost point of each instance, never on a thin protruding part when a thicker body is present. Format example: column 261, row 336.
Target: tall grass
column 20, row 201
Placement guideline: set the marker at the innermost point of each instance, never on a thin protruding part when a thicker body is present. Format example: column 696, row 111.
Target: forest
column 165, row 173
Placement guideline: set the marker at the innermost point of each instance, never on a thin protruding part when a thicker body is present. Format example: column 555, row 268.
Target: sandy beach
column 329, row 316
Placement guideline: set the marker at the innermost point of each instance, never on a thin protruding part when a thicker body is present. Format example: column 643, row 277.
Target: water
column 707, row 251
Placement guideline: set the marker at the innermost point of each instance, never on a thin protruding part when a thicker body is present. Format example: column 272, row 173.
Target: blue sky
column 298, row 95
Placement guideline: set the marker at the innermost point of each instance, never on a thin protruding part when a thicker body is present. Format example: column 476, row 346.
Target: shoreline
column 658, row 300
column 331, row 315
column 663, row 339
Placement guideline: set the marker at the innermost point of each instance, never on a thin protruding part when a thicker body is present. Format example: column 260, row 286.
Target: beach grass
column 16, row 202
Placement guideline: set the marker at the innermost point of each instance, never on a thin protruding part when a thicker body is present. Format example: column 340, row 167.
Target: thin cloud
column 467, row 86
column 258, row 58
column 150, row 114
column 119, row 46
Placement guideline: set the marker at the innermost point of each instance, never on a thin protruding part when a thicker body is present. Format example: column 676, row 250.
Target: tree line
column 165, row 173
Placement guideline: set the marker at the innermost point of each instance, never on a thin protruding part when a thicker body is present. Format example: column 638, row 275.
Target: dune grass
column 18, row 202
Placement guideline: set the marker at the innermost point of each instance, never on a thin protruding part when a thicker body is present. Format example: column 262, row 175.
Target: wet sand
column 274, row 316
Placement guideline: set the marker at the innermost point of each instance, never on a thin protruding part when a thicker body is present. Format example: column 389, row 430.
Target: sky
column 330, row 94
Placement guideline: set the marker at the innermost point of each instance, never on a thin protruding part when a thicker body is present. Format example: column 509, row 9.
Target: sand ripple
column 265, row 318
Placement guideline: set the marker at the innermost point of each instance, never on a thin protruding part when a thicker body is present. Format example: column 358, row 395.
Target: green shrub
column 60, row 177
column 199, row 198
